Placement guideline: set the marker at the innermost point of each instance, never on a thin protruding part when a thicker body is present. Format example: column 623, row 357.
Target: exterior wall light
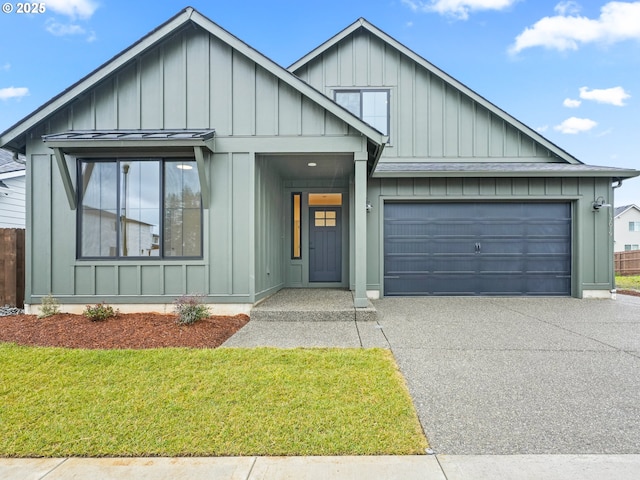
column 599, row 203
column 368, row 206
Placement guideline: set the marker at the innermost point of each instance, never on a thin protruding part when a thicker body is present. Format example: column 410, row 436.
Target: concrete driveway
column 520, row 376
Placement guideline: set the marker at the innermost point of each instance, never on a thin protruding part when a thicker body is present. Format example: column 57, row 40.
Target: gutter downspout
column 611, row 230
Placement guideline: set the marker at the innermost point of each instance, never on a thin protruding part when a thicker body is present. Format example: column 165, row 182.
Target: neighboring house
column 362, row 166
column 12, row 190
column 626, row 228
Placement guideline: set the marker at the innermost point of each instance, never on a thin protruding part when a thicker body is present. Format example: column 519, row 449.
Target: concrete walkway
column 440, row 467
column 505, row 388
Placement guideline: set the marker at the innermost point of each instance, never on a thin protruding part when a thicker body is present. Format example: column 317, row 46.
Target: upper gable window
column 139, row 208
column 372, row 106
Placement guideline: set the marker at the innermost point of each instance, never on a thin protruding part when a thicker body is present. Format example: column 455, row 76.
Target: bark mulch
column 131, row 331
column 634, row 293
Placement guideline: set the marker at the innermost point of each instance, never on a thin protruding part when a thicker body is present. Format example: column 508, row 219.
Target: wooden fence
column 627, row 263
column 12, row 267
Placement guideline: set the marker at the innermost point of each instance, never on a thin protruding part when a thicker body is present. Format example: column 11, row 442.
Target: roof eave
column 8, row 137
column 614, row 174
column 59, row 101
column 12, row 174
column 327, row 44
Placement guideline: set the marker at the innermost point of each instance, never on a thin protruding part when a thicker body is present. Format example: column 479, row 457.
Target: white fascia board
column 328, row 44
column 630, row 207
column 13, row 174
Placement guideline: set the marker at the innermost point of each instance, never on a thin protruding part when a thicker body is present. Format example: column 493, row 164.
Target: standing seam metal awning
column 78, row 141
column 131, row 138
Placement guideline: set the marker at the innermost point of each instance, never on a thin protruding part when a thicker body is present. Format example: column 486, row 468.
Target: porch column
column 360, row 241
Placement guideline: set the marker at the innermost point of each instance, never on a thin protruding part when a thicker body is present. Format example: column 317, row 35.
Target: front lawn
column 631, row 282
column 58, row 402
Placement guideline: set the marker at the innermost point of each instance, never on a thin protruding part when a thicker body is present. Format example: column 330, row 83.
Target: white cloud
column 567, row 8
column 457, row 8
column 13, row 92
column 6, row 67
column 73, row 8
column 571, row 103
column 618, row 21
column 542, row 129
column 612, row 96
column 61, row 29
column 575, row 125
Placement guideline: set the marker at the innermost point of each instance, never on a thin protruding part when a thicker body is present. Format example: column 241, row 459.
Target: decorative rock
column 7, row 310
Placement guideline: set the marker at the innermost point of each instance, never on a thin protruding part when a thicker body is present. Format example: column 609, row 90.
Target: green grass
column 186, row 402
column 631, row 282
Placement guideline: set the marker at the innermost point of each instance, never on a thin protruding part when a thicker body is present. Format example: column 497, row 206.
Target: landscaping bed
column 131, row 330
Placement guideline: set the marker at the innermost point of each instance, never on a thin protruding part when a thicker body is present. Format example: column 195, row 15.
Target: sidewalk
column 433, row 467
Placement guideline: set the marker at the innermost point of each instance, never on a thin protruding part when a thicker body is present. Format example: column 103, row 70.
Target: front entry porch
column 312, row 304
column 311, row 223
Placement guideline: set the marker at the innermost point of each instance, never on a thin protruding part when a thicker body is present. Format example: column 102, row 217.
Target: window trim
column 337, row 90
column 161, row 162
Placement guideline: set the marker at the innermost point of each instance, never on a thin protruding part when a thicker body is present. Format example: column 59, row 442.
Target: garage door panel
column 419, row 285
column 430, row 264
column 477, row 248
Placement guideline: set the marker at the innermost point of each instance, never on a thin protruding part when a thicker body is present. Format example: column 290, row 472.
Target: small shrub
column 49, row 307
column 190, row 309
column 99, row 312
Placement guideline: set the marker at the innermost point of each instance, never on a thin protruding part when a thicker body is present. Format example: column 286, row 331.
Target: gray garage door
column 477, row 249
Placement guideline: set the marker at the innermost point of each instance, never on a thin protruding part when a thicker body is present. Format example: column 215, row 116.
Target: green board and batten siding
column 190, row 80
column 433, row 118
column 430, row 119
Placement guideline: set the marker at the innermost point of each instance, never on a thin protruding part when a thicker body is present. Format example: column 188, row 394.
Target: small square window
column 371, row 106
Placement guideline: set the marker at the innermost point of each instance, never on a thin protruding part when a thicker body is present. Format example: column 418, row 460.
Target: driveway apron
column 520, row 375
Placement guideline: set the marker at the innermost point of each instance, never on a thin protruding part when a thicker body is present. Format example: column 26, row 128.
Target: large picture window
column 139, row 208
column 372, row 106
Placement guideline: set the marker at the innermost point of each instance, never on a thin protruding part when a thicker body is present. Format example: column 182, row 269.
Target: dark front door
column 325, row 244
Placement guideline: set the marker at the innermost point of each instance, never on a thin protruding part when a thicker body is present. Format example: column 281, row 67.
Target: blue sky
column 569, row 69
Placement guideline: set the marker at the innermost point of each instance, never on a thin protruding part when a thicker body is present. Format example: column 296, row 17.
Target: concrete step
column 311, row 305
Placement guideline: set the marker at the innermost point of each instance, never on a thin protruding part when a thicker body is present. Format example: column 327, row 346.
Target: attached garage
column 490, row 248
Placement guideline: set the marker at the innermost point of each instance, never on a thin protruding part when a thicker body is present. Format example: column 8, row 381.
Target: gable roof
column 362, row 23
column 13, row 137
column 624, row 209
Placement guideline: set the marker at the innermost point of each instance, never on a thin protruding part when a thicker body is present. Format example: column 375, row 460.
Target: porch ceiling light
column 183, row 166
column 312, row 164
